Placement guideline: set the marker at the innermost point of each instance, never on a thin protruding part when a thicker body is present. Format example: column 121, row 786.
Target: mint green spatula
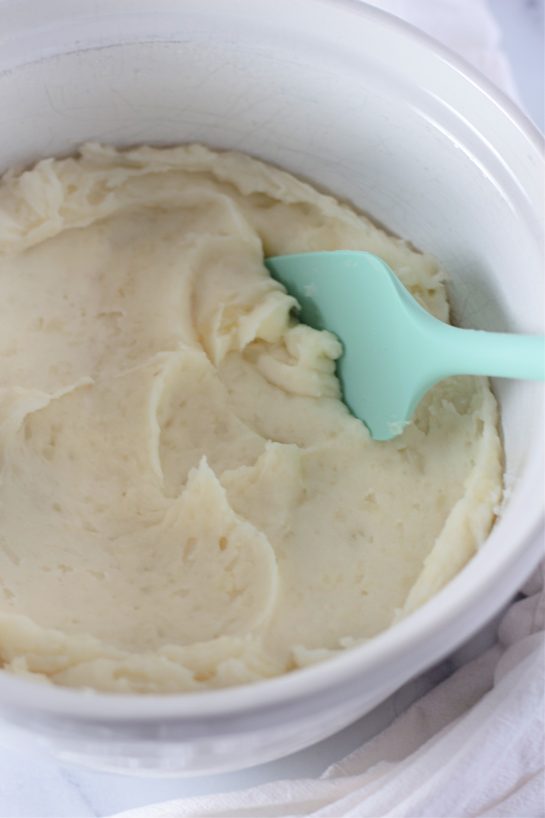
column 394, row 351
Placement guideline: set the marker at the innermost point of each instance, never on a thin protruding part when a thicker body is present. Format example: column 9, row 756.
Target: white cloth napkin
column 474, row 745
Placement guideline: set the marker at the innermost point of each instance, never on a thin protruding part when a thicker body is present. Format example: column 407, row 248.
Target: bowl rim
column 444, row 608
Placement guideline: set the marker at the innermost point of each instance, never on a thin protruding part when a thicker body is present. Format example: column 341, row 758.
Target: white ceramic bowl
column 370, row 109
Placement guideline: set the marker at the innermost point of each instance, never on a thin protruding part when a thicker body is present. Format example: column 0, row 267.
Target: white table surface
column 33, row 785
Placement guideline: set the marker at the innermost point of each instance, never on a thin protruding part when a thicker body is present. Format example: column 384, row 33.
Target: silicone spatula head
column 393, row 350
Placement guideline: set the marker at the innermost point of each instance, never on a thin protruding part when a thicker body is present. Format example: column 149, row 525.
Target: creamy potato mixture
column 185, row 502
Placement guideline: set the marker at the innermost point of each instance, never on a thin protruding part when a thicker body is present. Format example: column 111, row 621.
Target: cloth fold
column 474, row 745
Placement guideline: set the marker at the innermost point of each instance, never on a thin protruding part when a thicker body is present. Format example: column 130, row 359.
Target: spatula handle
column 498, row 354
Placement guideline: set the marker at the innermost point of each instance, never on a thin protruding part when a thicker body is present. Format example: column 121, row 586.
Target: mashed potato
column 185, row 502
